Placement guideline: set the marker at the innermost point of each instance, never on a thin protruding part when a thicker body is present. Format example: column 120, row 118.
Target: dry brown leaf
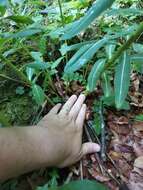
column 98, row 176
column 139, row 162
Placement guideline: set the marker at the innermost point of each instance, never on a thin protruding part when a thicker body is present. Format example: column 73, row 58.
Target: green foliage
column 95, row 74
column 97, row 8
column 38, row 94
column 139, row 117
column 78, row 185
column 122, row 80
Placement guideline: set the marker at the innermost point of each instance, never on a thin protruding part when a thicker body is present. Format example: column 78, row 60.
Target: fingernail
column 96, row 148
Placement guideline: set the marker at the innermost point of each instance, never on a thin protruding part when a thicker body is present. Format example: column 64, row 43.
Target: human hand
column 63, row 133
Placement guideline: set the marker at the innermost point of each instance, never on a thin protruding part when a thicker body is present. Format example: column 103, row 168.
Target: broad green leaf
column 137, row 61
column 124, row 11
column 81, row 185
column 38, row 94
column 95, row 74
column 2, row 10
column 9, row 52
column 122, row 80
column 56, row 63
column 137, row 58
column 22, row 33
column 39, row 65
column 86, row 55
column 20, row 19
column 97, row 8
column 109, row 50
column 76, row 57
column 139, row 117
column 37, row 56
column 65, row 48
column 30, row 72
column 138, row 48
column 106, row 85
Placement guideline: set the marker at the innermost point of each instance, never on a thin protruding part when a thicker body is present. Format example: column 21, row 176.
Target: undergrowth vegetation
column 52, row 49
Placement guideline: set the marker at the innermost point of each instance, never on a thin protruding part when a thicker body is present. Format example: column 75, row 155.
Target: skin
column 55, row 141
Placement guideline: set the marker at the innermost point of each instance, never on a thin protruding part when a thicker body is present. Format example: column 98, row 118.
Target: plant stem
column 125, row 46
column 61, row 12
column 18, row 73
column 9, row 78
column 63, row 24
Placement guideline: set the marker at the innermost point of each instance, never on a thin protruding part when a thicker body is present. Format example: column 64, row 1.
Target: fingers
column 68, row 105
column 88, row 148
column 77, row 107
column 81, row 116
column 55, row 109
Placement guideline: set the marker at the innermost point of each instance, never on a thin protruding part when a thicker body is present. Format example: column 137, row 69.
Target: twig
column 69, row 177
column 96, row 155
column 81, row 170
column 60, row 91
column 102, row 123
column 96, row 139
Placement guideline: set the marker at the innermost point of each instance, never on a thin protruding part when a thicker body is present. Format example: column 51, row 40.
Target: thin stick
column 81, row 170
column 103, row 147
column 96, row 155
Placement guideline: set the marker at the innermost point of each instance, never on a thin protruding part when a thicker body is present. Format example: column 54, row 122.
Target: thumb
column 88, row 148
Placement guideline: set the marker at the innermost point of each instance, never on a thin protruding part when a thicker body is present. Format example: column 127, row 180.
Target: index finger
column 68, row 105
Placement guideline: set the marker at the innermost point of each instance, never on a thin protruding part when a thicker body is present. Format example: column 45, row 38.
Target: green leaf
column 122, row 80
column 97, row 8
column 124, row 11
column 137, row 58
column 83, row 55
column 22, row 33
column 2, row 10
column 37, row 56
column 138, row 48
column 20, row 90
column 106, row 85
column 95, row 74
column 39, row 65
column 81, row 185
column 75, row 58
column 139, row 117
column 109, row 50
column 20, row 19
column 38, row 94
column 65, row 48
column 30, row 72
column 56, row 63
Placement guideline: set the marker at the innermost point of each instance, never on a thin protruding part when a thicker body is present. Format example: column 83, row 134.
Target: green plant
column 123, row 56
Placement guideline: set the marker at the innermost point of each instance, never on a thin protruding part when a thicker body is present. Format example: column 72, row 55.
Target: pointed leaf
column 122, row 80
column 65, row 48
column 95, row 74
column 88, row 53
column 76, row 57
column 20, row 19
column 30, row 72
column 137, row 58
column 106, row 85
column 21, row 34
column 138, row 48
column 97, row 8
column 109, row 50
column 39, row 65
column 38, row 94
